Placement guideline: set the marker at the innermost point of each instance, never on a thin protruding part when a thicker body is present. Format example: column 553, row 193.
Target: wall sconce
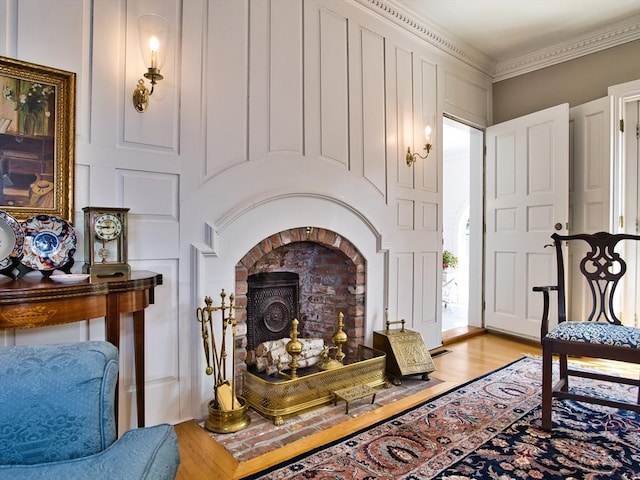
column 411, row 157
column 153, row 35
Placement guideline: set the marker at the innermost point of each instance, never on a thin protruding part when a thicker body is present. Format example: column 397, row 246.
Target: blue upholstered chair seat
column 597, row 333
column 57, row 418
column 138, row 454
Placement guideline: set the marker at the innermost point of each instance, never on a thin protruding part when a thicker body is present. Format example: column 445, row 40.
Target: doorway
column 462, row 241
column 630, row 203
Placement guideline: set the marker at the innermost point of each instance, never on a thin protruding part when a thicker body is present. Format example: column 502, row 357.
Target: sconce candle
column 427, row 134
column 154, row 45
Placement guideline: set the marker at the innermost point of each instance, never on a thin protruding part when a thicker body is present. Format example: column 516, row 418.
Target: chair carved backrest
column 602, row 267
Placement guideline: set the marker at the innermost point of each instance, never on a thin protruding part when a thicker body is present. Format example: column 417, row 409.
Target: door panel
column 589, row 193
column 527, row 199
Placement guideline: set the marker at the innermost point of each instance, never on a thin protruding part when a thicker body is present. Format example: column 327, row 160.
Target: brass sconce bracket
column 141, row 97
column 411, row 157
column 141, row 94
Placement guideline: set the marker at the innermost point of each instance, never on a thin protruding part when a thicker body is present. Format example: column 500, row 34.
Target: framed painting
column 37, row 140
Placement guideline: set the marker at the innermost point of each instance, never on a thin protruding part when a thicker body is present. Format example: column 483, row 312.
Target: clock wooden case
column 105, row 241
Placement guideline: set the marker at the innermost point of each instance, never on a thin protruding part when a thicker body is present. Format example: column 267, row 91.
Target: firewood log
column 261, row 364
column 250, row 358
column 273, row 355
column 305, row 362
column 264, row 347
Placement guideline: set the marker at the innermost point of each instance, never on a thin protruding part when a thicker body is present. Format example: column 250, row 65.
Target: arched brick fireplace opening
column 331, row 273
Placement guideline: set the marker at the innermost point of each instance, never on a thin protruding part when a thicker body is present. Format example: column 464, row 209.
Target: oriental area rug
column 489, row 428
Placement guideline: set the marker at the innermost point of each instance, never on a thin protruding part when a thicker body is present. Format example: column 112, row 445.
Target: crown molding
column 431, row 34
column 605, row 37
column 608, row 36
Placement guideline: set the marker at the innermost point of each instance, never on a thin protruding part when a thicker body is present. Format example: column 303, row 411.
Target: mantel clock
column 105, row 241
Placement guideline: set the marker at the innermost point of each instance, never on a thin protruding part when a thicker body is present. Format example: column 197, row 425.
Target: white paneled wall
column 368, row 140
column 273, row 114
column 123, row 158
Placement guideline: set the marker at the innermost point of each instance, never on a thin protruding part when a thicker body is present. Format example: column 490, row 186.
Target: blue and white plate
column 49, row 242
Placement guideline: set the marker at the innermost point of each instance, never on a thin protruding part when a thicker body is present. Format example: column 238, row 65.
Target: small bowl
column 70, row 277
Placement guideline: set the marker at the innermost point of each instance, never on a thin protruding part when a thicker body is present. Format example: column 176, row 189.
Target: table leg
column 138, row 348
column 112, row 333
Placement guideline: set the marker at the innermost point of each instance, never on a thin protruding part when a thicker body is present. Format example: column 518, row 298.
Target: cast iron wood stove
column 272, row 304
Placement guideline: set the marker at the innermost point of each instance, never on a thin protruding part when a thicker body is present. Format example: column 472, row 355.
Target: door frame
column 626, row 150
column 476, row 229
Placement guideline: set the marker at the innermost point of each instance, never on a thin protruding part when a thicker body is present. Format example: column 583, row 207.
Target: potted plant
column 449, row 260
column 449, row 264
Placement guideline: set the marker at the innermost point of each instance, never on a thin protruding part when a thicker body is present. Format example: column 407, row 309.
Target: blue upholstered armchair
column 57, row 418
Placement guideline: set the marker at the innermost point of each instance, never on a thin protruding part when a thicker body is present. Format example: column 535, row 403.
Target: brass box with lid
column 407, row 354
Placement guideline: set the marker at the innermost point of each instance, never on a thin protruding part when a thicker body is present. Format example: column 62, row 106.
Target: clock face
column 108, row 227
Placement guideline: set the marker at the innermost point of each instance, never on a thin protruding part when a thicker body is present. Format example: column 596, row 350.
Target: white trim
column 431, row 34
column 611, row 35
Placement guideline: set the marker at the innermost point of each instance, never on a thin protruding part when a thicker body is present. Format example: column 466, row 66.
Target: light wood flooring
column 203, row 458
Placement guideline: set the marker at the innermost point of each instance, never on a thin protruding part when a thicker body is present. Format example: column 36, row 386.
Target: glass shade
column 153, row 32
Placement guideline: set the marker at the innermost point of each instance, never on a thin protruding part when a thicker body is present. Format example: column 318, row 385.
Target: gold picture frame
column 37, row 139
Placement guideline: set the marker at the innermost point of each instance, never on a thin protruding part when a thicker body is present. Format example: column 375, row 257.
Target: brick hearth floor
column 262, row 436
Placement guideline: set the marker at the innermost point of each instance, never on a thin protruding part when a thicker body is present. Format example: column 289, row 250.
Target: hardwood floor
column 203, row 458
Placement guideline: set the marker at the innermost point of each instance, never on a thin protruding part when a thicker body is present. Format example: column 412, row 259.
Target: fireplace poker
column 223, row 346
column 227, row 319
column 232, row 320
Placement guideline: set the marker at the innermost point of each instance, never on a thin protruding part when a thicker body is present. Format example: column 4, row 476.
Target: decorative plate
column 49, row 242
column 70, row 278
column 11, row 236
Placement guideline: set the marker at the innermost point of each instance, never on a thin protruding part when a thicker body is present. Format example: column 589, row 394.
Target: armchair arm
column 544, row 327
column 144, row 453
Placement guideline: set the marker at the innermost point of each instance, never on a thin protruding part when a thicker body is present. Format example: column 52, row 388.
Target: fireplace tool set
column 227, row 412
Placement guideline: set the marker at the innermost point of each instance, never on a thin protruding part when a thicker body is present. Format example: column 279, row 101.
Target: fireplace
column 330, row 273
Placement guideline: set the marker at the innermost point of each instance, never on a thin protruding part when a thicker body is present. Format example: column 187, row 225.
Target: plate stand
column 8, row 271
column 23, row 269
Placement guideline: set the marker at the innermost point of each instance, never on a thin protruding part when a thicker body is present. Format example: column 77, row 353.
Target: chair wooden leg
column 563, row 373
column 547, row 386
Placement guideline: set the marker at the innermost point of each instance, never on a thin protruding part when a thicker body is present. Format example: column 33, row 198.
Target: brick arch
column 320, row 241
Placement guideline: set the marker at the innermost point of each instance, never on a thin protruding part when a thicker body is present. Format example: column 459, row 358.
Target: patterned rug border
column 328, row 445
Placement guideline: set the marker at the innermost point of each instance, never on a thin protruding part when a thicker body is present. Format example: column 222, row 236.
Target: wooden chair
column 601, row 335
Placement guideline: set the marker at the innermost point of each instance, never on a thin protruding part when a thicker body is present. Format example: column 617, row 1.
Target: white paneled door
column 589, row 189
column 527, row 199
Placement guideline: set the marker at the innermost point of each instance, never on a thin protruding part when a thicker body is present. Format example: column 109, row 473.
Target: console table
column 35, row 301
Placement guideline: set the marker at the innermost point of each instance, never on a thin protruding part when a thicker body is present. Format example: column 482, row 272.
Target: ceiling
column 504, row 29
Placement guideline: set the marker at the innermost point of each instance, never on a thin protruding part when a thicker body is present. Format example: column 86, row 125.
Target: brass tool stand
column 227, row 413
column 406, row 351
